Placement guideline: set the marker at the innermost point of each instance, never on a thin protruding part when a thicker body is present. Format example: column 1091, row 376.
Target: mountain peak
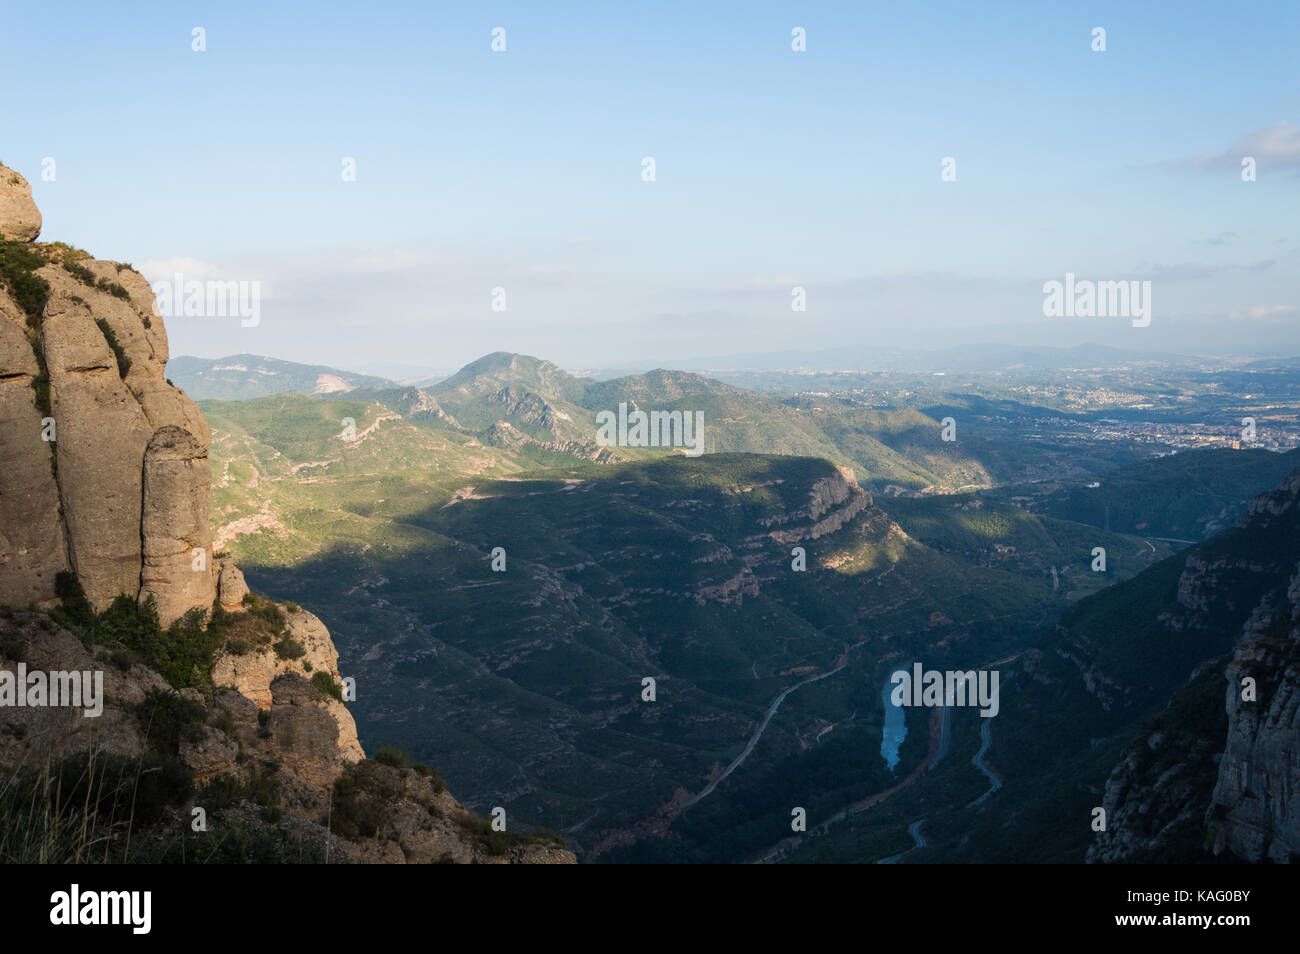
column 1277, row 502
column 499, row 368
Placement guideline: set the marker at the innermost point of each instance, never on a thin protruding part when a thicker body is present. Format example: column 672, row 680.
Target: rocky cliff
column 1217, row 772
column 103, row 464
column 215, row 701
column 1255, row 809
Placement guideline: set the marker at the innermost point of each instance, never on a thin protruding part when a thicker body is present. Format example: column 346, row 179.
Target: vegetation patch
column 239, row 845
column 327, row 684
column 363, row 799
column 290, row 648
column 168, row 719
column 433, row 775
column 261, row 608
column 182, row 653
column 123, row 362
column 499, row 842
column 392, row 756
column 85, row 807
column 18, row 267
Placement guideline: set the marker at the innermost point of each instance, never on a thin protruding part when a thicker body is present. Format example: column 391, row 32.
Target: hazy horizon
column 806, row 359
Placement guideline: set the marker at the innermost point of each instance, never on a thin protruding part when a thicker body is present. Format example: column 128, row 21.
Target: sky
column 774, row 169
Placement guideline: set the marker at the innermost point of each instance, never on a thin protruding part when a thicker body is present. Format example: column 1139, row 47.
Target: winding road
column 986, row 739
column 771, row 711
column 914, row 830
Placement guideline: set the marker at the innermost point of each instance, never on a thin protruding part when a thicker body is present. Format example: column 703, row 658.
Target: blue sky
column 522, row 170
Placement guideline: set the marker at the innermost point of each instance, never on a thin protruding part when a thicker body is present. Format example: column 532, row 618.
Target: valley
column 523, row 686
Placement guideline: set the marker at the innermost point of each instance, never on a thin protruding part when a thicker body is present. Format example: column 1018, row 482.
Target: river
column 895, row 728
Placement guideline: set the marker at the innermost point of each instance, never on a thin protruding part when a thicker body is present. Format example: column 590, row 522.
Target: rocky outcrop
column 833, row 502
column 1206, row 777
column 505, row 435
column 60, row 731
column 103, row 464
column 231, row 588
column 1255, row 809
column 253, row 672
column 529, row 408
column 730, row 592
column 101, row 437
column 20, row 220
column 1155, row 797
column 280, row 772
column 419, row 404
column 176, row 534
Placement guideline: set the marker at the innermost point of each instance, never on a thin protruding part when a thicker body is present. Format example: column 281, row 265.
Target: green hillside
column 244, row 376
column 381, row 508
column 1189, row 495
column 525, row 685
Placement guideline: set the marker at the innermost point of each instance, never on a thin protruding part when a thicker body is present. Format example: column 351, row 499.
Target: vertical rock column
column 102, row 434
column 177, row 539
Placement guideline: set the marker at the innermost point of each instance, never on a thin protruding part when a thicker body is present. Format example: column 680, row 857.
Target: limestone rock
column 60, row 731
column 215, row 754
column 20, row 220
column 304, row 735
column 102, row 435
column 1255, row 795
column 79, row 502
column 231, row 588
column 32, row 549
column 177, row 537
column 252, row 673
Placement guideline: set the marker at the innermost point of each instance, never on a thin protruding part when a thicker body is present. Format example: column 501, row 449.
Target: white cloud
column 1258, row 312
column 1276, row 145
column 165, row 269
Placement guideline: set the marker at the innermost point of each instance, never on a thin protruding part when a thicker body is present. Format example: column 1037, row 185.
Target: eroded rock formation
column 103, row 464
column 20, row 220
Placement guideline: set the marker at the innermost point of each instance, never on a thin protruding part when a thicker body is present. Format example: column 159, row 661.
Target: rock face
column 286, row 764
column 832, row 502
column 20, row 220
column 1255, row 808
column 1160, row 786
column 103, row 464
column 1209, row 775
column 253, row 673
column 102, row 435
column 176, row 535
column 32, row 546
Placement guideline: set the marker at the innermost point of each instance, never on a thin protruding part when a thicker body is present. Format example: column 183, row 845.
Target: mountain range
column 391, row 537
column 631, row 653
